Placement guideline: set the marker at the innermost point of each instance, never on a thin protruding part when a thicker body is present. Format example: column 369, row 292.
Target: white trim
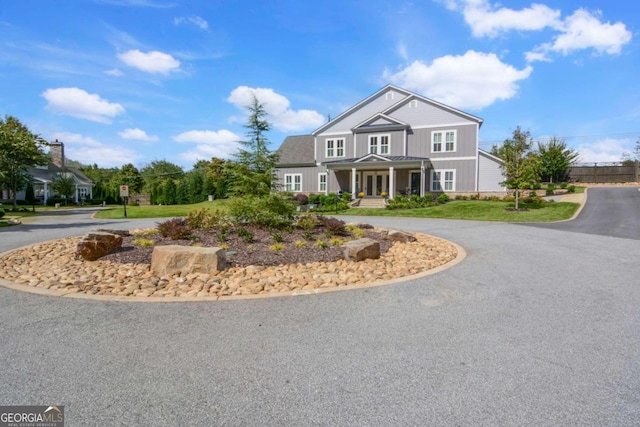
column 335, row 142
column 343, row 133
column 442, row 181
column 444, row 125
column 320, row 176
column 448, row 159
column 443, row 140
column 477, row 186
column 378, row 116
column 293, row 182
column 378, row 144
column 370, row 155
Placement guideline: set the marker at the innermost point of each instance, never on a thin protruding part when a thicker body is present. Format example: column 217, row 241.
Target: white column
column 422, row 178
column 354, row 190
column 392, row 183
column 45, row 195
column 75, row 196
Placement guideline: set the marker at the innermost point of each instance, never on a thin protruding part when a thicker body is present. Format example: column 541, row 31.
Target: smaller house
column 42, row 177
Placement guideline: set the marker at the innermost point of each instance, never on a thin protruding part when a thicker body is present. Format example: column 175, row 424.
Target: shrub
column 358, row 233
column 271, row 211
column 314, row 199
column 307, row 222
column 307, row 235
column 563, row 185
column 223, row 234
column 571, row 188
column 335, row 241
column 536, row 186
column 525, row 186
column 224, row 247
column 474, row 197
column 346, row 196
column 334, row 225
column 301, row 199
column 1, row 213
column 205, row 219
column 508, row 199
column 443, row 198
column 175, row 229
column 143, row 242
column 247, row 235
column 299, row 244
column 276, row 236
column 146, row 232
column 462, row 197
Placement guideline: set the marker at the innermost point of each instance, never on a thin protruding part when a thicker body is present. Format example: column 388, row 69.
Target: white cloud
column 154, row 62
column 449, row 80
column 277, row 107
column 222, row 144
column 195, row 20
column 87, row 150
column 486, row 20
column 583, row 30
column 137, row 135
column 605, row 150
column 114, row 72
column 401, row 50
column 75, row 102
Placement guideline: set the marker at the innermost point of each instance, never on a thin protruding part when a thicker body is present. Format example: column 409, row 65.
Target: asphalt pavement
column 537, row 326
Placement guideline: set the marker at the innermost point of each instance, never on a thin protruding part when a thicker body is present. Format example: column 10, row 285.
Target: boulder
column 173, row 259
column 361, row 249
column 400, row 236
column 97, row 244
column 123, row 233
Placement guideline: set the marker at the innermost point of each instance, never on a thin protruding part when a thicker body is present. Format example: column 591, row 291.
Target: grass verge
column 117, row 212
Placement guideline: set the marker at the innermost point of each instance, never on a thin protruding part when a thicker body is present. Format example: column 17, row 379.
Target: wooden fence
column 605, row 173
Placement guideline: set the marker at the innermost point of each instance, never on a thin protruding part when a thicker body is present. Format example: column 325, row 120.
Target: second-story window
column 335, row 147
column 444, row 141
column 379, row 144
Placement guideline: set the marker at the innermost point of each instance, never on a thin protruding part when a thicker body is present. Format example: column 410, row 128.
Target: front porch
column 378, row 176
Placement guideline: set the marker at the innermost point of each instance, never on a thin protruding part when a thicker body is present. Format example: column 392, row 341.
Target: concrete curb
column 462, row 254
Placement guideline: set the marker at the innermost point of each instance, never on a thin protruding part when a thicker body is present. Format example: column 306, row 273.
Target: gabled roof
column 297, row 151
column 409, row 97
column 414, row 96
column 387, row 123
column 48, row 173
column 490, row 156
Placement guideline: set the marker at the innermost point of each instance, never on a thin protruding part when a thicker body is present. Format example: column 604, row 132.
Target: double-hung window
column 322, row 182
column 335, row 147
column 444, row 141
column 293, row 182
column 443, row 180
column 379, row 144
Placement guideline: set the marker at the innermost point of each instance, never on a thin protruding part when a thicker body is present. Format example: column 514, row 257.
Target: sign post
column 124, row 194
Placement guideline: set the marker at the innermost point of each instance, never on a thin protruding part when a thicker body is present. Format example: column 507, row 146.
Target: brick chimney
column 56, row 149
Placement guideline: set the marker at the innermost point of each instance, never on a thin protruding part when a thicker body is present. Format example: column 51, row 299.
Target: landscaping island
column 296, row 269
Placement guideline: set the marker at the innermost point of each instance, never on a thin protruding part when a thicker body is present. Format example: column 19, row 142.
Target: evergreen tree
column 555, row 159
column 255, row 164
column 169, row 193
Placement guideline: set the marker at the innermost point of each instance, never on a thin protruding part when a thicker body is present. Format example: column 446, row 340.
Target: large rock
column 400, row 236
column 97, row 244
column 361, row 249
column 173, row 259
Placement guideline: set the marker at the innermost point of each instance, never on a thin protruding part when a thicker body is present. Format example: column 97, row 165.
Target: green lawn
column 117, row 212
column 480, row 211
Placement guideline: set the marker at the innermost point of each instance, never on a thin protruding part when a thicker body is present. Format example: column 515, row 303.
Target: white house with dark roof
column 42, row 177
column 394, row 142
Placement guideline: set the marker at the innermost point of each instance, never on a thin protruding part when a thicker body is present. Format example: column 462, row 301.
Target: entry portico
column 373, row 174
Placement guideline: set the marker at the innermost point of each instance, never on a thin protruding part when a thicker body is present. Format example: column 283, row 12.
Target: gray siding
column 420, row 142
column 426, row 114
column 465, row 173
column 396, row 139
column 321, row 148
column 309, row 177
column 376, row 105
column 489, row 175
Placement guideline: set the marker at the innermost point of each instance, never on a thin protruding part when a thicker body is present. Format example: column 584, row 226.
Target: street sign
column 124, row 191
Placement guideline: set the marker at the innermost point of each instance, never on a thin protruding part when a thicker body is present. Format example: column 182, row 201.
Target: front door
column 415, row 182
column 376, row 183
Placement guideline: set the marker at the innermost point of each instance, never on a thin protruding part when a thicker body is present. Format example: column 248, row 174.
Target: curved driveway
column 536, row 327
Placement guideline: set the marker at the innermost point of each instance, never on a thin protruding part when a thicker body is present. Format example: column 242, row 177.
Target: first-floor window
column 293, row 182
column 322, row 182
column 443, row 180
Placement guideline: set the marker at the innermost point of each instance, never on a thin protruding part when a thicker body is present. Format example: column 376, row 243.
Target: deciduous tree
column 19, row 150
column 555, row 159
column 520, row 164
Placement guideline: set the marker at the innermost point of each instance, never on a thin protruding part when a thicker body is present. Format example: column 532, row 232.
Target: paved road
column 523, row 332
column 609, row 212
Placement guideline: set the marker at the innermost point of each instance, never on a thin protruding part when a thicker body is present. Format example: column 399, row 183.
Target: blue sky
column 122, row 81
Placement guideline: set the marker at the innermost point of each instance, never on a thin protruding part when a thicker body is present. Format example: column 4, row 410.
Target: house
column 42, row 177
column 393, row 142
